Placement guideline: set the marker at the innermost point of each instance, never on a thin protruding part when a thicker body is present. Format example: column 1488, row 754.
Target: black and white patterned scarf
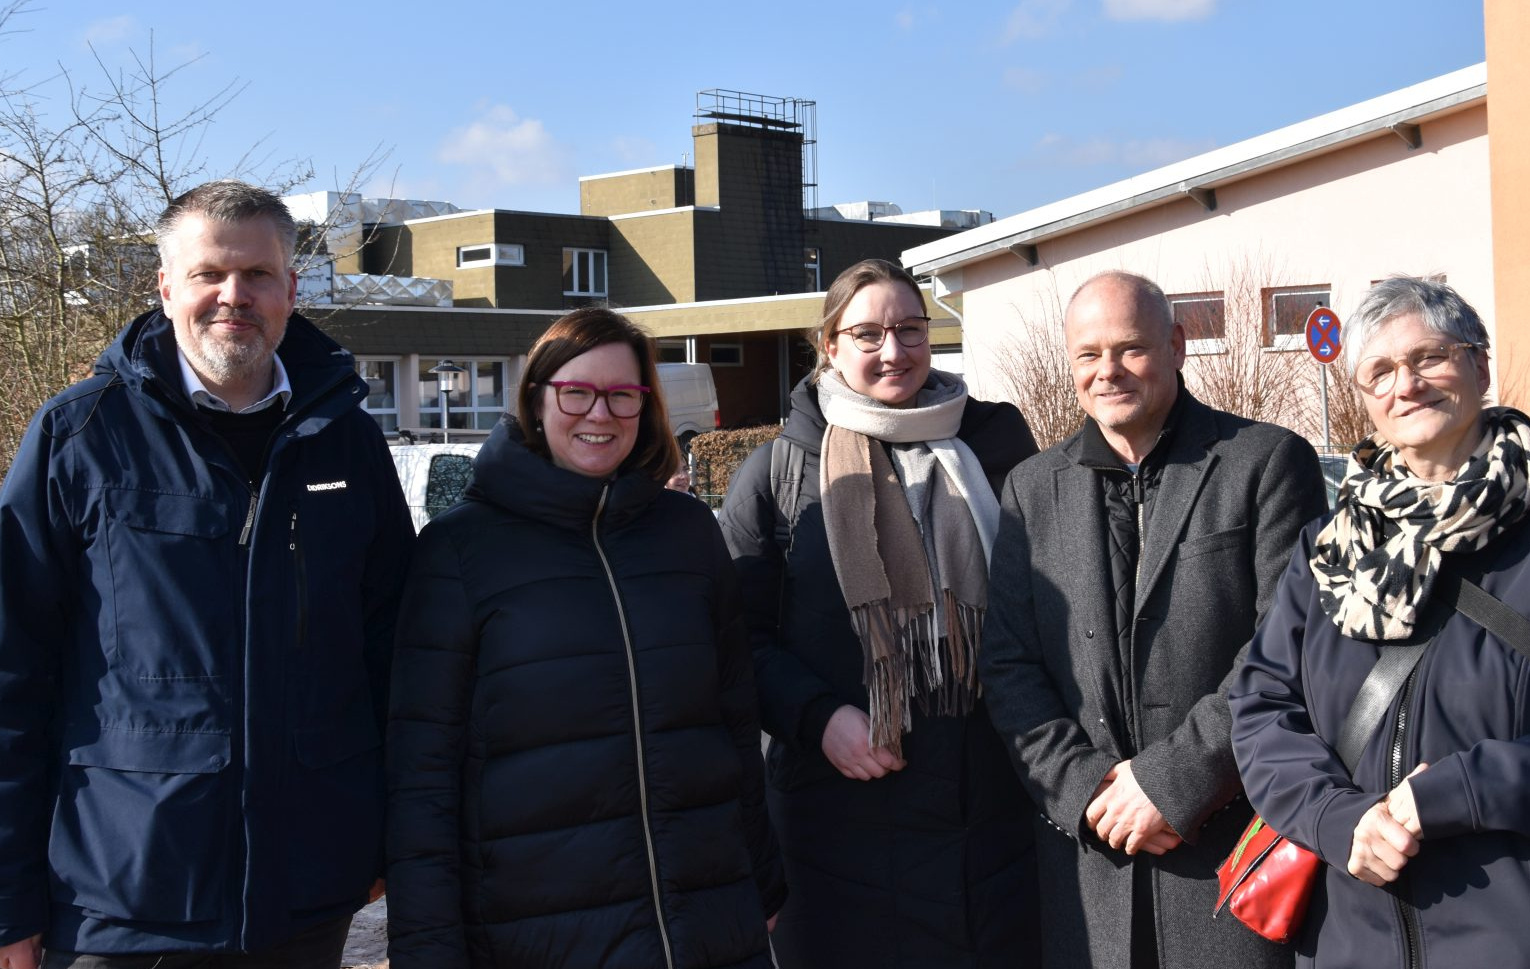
column 1376, row 560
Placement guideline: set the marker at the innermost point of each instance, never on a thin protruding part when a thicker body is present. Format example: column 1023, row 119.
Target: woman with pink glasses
column 573, row 751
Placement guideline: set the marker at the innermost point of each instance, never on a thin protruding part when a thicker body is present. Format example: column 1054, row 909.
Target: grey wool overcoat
column 1231, row 501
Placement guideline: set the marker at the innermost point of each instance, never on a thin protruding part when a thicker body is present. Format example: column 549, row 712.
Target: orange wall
column 1507, row 24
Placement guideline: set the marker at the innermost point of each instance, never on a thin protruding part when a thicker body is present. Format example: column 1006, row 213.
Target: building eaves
column 1395, row 112
column 483, row 212
column 636, row 171
column 670, row 211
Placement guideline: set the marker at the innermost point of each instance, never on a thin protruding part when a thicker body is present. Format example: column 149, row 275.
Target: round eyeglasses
column 577, row 398
column 869, row 337
column 1378, row 375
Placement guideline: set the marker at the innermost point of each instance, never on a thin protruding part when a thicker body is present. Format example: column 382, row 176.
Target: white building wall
column 1344, row 218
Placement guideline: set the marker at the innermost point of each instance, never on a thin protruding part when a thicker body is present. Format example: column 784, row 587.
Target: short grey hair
column 1439, row 307
column 1149, row 295
column 226, row 200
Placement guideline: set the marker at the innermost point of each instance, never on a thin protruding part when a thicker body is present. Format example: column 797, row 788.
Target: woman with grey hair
column 1427, row 840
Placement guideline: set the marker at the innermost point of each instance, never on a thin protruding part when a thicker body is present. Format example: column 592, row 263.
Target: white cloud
column 904, row 19
column 507, row 149
column 112, row 30
column 1033, row 20
column 1159, row 9
column 1032, row 82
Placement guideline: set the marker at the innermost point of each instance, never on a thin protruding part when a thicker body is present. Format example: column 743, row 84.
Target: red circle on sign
column 1323, row 334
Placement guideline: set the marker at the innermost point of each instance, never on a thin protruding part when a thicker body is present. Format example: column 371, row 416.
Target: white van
column 434, row 476
column 691, row 397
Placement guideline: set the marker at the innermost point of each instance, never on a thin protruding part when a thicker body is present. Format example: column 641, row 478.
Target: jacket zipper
column 637, row 725
column 300, row 575
column 1405, row 911
column 1129, row 676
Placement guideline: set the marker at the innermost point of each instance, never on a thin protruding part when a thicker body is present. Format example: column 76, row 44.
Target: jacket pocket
column 335, row 813
column 1215, row 542
column 176, row 600
column 142, row 826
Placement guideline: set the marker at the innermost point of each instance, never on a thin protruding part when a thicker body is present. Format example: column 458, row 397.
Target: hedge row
column 716, row 455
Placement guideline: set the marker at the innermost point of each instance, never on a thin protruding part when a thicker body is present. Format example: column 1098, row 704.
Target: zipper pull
column 249, row 523
column 292, row 534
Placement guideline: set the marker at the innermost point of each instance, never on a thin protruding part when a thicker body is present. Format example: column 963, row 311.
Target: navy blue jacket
column 193, row 667
column 574, row 756
column 1467, row 716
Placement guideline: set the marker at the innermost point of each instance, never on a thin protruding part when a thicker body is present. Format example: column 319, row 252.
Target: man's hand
column 1122, row 816
column 845, row 743
column 26, row 954
column 1400, row 805
column 1381, row 846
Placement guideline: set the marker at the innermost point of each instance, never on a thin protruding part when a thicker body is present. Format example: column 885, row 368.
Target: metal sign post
column 1323, row 344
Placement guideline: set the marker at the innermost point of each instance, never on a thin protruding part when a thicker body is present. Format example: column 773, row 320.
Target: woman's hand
column 1381, row 847
column 1401, row 806
column 26, row 954
column 846, row 744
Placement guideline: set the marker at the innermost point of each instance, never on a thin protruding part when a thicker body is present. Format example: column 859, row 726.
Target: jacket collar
column 509, row 474
column 322, row 373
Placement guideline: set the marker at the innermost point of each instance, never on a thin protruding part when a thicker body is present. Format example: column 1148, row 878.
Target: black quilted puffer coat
column 573, row 752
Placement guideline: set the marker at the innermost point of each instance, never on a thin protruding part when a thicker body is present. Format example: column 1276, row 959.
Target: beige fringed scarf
column 899, row 530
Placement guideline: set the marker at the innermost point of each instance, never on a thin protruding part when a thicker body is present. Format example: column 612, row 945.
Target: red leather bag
column 1266, row 882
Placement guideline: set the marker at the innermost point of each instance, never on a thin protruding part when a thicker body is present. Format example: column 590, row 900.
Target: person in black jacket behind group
column 573, row 752
column 905, row 833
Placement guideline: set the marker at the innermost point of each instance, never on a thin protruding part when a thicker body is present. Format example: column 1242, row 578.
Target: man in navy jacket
column 201, row 549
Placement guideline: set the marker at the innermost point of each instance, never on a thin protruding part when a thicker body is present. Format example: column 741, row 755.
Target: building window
column 672, row 351
column 381, row 376
column 584, row 272
column 499, row 254
column 812, row 263
column 477, row 404
column 1286, row 309
column 1204, row 317
column 726, row 354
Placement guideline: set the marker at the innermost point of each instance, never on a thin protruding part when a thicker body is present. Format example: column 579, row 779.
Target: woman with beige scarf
column 862, row 539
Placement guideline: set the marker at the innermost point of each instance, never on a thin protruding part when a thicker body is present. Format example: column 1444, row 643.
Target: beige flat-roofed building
column 1249, row 238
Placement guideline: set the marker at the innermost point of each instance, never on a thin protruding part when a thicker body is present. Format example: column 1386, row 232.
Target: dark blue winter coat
column 193, row 667
column 574, row 756
column 1462, row 899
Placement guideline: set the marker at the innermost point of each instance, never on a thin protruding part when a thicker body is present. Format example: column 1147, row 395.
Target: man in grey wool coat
column 1133, row 562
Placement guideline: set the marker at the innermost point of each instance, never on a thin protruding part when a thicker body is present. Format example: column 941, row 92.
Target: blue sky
column 994, row 105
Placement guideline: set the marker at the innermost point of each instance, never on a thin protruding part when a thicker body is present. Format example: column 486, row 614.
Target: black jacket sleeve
column 37, row 582
column 433, row 673
column 741, row 715
column 795, row 703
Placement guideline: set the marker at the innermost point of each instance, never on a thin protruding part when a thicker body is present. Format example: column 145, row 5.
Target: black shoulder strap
column 1397, row 662
column 1381, row 685
column 1490, row 612
column 786, row 460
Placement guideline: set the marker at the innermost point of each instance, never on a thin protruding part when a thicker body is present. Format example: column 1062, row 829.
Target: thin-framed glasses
column 1378, row 375
column 577, row 398
column 869, row 337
